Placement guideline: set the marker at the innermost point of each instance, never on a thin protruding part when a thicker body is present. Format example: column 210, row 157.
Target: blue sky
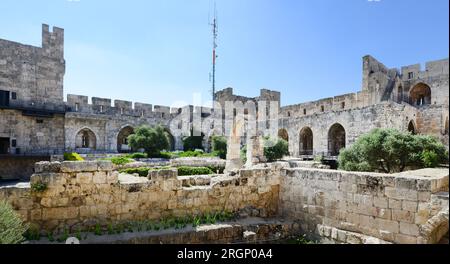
column 159, row 51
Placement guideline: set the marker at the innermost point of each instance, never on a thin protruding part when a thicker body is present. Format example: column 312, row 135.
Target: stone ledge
column 73, row 166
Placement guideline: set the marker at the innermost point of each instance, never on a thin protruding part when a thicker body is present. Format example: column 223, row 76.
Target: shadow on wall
column 18, row 168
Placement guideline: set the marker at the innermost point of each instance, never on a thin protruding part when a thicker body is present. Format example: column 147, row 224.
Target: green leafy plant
column 98, row 230
column 389, row 151
column 12, row 228
column 137, row 155
column 73, row 156
column 186, row 171
column 152, row 139
column 219, row 146
column 275, row 149
column 121, row 160
column 141, row 171
column 193, row 142
column 39, row 187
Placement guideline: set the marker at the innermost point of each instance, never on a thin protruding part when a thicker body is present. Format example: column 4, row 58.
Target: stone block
column 105, row 165
column 409, row 229
column 45, row 166
column 99, row 177
column 395, row 204
column 405, row 239
column 79, row 166
column 409, row 206
column 84, row 178
column 403, row 216
column 380, row 202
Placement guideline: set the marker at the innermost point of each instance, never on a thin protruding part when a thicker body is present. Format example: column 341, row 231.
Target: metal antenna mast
column 215, row 28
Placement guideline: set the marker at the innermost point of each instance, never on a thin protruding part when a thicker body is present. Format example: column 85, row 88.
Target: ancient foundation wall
column 400, row 208
column 81, row 194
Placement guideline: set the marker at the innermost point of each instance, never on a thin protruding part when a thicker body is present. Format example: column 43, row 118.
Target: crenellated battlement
column 104, row 106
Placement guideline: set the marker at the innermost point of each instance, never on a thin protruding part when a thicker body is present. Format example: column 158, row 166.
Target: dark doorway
column 4, row 145
column 4, row 98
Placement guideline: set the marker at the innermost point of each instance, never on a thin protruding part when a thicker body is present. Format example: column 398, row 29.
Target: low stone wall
column 328, row 205
column 82, row 194
column 398, row 208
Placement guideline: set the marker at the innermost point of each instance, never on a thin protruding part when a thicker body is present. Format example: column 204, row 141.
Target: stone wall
column 86, row 193
column 396, row 208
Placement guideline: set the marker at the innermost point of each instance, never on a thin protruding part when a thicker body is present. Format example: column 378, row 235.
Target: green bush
column 142, row 171
column 187, row 171
column 275, row 149
column 243, row 154
column 219, row 146
column 73, row 156
column 122, row 160
column 193, row 142
column 389, row 151
column 152, row 139
column 12, row 228
column 38, row 187
column 137, row 155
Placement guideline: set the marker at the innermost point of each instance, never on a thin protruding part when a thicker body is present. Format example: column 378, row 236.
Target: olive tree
column 389, row 150
column 152, row 139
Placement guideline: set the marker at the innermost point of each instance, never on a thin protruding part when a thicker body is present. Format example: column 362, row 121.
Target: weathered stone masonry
column 343, row 207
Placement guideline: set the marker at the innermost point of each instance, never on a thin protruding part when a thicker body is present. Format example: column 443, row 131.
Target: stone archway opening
column 420, row 95
column 306, row 141
column 86, row 139
column 336, row 139
column 412, row 127
column 122, row 139
column 283, row 134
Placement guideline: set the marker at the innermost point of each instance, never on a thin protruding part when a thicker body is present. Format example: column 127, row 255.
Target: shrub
column 142, row 171
column 152, row 139
column 243, row 154
column 137, row 155
column 72, row 157
column 187, row 171
column 275, row 149
column 389, row 150
column 219, row 146
column 12, row 228
column 38, row 187
column 122, row 160
column 193, row 142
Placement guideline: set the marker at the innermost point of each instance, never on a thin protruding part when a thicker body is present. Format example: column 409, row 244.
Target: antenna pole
column 215, row 32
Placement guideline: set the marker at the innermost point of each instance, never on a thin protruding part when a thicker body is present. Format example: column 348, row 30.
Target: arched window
column 420, row 95
column 336, row 139
column 306, row 141
column 86, row 139
column 122, row 139
column 412, row 127
column 283, row 134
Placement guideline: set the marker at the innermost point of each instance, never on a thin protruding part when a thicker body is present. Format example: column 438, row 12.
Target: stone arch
column 283, row 134
column 420, row 95
column 171, row 139
column 86, row 139
column 122, row 139
column 336, row 139
column 412, row 127
column 306, row 141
